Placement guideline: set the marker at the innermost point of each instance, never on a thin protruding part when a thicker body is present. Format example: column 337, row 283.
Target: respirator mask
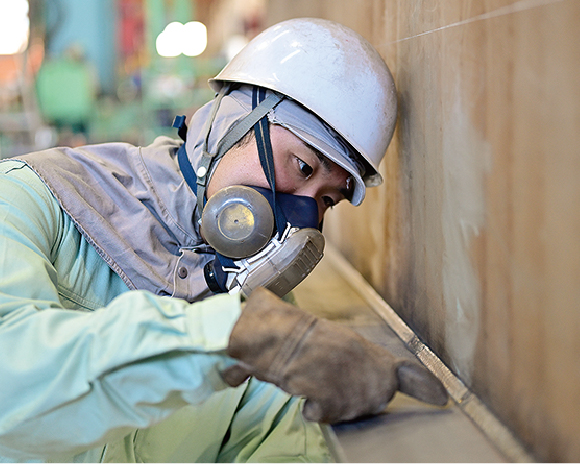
column 261, row 238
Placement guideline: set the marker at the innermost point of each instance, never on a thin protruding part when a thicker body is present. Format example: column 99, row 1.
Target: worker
column 140, row 287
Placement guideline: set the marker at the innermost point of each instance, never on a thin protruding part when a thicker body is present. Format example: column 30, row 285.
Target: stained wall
column 474, row 236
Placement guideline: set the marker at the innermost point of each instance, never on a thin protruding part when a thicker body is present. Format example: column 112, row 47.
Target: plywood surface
column 473, row 238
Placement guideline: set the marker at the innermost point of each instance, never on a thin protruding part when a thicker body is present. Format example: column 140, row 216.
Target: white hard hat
column 332, row 71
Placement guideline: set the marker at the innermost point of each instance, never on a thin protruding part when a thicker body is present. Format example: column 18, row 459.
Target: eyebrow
column 323, row 160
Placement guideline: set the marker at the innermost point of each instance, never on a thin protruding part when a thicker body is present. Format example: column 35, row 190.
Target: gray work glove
column 341, row 374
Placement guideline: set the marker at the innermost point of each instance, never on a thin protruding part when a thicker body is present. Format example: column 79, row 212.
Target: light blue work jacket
column 90, row 371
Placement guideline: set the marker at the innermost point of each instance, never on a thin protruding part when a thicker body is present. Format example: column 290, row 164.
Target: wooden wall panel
column 474, row 237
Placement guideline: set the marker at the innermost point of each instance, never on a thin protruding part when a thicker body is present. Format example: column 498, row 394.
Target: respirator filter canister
column 239, row 223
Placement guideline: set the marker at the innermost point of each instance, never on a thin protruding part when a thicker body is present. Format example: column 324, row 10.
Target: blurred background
column 111, row 70
column 473, row 239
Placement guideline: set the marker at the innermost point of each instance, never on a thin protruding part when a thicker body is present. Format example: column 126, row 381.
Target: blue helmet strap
column 266, row 155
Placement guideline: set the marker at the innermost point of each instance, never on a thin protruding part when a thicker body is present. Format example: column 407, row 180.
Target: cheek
column 219, row 178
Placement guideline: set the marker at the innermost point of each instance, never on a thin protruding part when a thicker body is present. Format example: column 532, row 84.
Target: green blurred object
column 66, row 93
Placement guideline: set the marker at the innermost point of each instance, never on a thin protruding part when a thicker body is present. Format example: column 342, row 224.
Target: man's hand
column 341, row 374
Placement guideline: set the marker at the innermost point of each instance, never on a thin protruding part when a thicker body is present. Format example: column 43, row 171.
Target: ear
column 418, row 382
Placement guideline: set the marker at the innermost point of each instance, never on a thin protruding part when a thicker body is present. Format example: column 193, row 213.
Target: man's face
column 300, row 170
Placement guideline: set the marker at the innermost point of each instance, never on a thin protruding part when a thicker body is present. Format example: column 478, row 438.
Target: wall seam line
column 521, row 5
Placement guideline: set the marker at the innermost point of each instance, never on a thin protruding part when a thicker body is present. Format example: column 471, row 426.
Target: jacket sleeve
column 268, row 427
column 73, row 380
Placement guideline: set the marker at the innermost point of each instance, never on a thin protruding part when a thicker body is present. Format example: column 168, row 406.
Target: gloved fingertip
column 235, row 375
column 418, row 382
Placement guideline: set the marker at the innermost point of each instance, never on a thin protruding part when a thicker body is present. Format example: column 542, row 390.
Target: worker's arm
column 72, row 380
column 269, row 427
column 256, row 422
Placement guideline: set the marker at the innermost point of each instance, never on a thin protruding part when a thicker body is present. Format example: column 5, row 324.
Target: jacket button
column 182, row 272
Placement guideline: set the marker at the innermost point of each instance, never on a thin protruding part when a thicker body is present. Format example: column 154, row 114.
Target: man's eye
column 304, row 168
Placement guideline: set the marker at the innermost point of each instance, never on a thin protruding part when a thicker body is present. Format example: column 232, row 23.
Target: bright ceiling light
column 189, row 39
column 194, row 38
column 168, row 43
column 14, row 26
